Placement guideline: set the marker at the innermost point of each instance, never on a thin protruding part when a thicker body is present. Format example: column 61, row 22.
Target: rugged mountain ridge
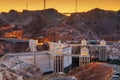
column 104, row 24
column 31, row 22
column 94, row 24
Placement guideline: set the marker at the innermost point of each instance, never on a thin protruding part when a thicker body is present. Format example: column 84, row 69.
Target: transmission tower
column 76, row 6
column 44, row 6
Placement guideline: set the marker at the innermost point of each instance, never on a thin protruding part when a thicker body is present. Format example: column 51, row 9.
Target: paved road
column 114, row 66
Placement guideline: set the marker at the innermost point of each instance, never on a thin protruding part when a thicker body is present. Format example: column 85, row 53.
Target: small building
column 58, row 59
column 102, row 51
column 83, row 42
column 102, row 54
column 58, row 63
column 33, row 45
column 102, row 43
column 84, row 57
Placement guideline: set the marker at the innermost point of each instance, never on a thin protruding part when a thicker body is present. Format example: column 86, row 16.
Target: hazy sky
column 60, row 5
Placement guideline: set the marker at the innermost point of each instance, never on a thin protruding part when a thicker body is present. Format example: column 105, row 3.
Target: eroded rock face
column 13, row 45
column 31, row 22
column 92, row 71
column 94, row 24
column 11, row 68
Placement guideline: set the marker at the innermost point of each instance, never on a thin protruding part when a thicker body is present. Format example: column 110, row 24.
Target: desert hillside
column 94, row 24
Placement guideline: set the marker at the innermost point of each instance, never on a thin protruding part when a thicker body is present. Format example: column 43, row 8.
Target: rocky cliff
column 94, row 24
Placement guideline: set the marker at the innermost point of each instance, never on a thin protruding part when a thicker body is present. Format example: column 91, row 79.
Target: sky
column 60, row 5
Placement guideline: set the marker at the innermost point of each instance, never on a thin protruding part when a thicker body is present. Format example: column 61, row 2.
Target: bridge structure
column 58, row 56
column 48, row 52
column 87, row 45
column 58, row 60
column 37, row 54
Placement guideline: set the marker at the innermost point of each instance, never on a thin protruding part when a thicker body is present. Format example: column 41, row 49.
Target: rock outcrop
column 92, row 71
